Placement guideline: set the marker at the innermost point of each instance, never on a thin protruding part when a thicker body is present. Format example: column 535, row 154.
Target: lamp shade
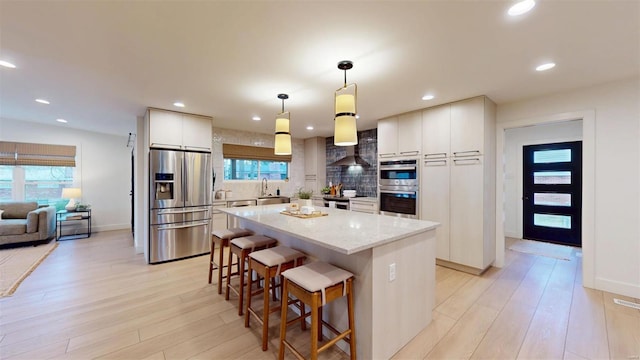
column 345, row 132
column 71, row 193
column 345, row 103
column 283, row 144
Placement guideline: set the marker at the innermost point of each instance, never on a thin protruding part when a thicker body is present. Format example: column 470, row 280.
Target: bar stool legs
column 268, row 264
column 242, row 247
column 308, row 284
column 222, row 236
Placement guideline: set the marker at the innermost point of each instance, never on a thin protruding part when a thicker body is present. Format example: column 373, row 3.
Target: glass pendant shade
column 346, row 131
column 283, row 136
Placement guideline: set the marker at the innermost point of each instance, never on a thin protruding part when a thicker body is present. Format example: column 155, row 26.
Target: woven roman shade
column 15, row 153
column 233, row 151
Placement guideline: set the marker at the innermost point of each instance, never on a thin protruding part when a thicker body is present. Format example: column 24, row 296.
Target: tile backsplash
column 362, row 179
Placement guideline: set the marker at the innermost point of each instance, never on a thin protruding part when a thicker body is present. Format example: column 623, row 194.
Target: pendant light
column 346, row 132
column 283, row 136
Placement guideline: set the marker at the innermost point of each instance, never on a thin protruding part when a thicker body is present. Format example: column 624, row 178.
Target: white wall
column 616, row 263
column 251, row 188
column 515, row 139
column 103, row 167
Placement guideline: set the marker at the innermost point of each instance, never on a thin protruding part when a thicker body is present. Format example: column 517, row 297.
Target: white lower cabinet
column 368, row 205
column 218, row 218
column 435, row 201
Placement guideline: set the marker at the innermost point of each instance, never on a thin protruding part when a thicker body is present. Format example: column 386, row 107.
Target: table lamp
column 72, row 194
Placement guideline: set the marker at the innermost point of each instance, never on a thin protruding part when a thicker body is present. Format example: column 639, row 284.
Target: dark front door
column 552, row 192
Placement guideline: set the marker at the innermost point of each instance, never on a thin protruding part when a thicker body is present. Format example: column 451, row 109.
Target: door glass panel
column 554, row 221
column 551, row 156
column 552, row 199
column 552, row 177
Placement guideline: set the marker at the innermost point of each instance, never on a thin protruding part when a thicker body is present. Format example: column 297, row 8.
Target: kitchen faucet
column 264, row 187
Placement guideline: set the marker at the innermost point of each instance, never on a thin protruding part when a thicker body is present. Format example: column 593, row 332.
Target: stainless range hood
column 351, row 159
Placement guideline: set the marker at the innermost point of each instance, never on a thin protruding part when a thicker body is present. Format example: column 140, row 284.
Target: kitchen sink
column 268, row 200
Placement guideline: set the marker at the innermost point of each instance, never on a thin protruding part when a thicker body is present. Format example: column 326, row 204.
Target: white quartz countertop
column 344, row 231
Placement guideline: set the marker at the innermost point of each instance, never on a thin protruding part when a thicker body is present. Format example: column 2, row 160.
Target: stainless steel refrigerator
column 179, row 204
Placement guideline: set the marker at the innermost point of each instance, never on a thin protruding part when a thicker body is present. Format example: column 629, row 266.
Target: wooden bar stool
column 268, row 264
column 317, row 284
column 222, row 236
column 242, row 247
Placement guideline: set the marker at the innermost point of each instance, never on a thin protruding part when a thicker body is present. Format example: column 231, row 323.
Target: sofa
column 25, row 222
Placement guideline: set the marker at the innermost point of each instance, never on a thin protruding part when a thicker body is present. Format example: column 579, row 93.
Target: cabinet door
column 467, row 240
column 388, row 137
column 410, row 133
column 436, row 131
column 467, row 127
column 218, row 218
column 165, row 129
column 196, row 132
column 310, row 157
column 434, row 188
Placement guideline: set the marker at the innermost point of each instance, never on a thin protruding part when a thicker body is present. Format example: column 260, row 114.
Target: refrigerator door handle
column 172, row 227
column 170, row 211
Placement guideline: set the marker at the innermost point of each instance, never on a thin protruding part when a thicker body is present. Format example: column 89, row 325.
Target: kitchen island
column 393, row 260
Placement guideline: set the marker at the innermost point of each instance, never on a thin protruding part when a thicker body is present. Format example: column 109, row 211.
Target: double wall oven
column 398, row 187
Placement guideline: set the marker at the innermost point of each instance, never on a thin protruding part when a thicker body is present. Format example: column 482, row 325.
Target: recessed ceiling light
column 256, row 118
column 546, row 66
column 42, row 101
column 428, row 97
column 357, row 116
column 178, row 104
column 521, row 7
column 309, row 127
column 61, row 121
column 7, row 64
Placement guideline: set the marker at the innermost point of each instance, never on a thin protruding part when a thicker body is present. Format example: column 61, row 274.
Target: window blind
column 15, row 153
column 233, row 151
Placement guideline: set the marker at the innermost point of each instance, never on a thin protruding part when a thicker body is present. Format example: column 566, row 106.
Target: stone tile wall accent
column 362, row 179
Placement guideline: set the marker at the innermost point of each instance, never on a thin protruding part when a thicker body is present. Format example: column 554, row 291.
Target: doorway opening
column 552, row 192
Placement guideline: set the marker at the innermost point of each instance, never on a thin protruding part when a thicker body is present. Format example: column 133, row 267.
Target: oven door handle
column 393, row 167
column 397, row 192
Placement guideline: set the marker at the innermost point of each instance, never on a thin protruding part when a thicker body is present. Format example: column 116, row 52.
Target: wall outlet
column 392, row 272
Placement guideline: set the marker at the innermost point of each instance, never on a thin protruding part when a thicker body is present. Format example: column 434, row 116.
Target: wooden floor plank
column 96, row 298
column 461, row 341
column 587, row 332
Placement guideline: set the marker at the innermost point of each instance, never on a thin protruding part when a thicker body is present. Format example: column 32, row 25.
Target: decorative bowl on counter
column 349, row 193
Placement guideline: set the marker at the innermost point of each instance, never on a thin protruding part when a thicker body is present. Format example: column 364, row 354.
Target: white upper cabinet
column 388, row 137
column 436, row 131
column 315, row 164
column 410, row 133
column 468, row 127
column 165, row 129
column 172, row 129
column 401, row 135
column 196, row 132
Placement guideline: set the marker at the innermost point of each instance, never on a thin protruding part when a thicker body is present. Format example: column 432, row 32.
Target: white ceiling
column 102, row 63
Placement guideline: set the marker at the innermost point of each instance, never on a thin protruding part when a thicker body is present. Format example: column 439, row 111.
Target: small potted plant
column 304, row 197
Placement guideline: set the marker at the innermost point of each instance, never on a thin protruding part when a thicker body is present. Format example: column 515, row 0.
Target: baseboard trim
column 112, row 227
column 460, row 267
column 618, row 287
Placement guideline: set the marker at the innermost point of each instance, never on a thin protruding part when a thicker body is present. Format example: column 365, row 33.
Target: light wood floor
column 95, row 298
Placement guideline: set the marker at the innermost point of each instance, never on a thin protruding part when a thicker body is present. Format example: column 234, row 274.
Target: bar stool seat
column 317, row 284
column 242, row 247
column 222, row 236
column 268, row 264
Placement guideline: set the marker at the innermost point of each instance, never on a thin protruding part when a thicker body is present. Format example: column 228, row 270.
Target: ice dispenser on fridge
column 164, row 186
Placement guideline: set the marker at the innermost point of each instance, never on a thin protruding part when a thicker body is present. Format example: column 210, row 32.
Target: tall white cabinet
column 400, row 135
column 315, row 164
column 458, row 181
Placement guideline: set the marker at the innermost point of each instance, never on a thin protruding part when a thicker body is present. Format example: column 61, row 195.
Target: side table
column 73, row 217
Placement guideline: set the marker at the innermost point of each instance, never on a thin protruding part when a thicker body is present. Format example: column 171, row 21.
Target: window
column 43, row 184
column 254, row 163
column 238, row 169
